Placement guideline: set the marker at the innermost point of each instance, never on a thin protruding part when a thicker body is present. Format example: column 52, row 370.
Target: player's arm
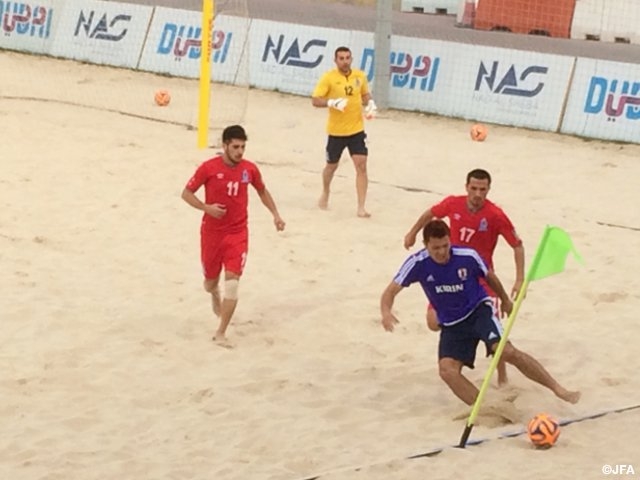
column 191, row 198
column 319, row 102
column 386, row 304
column 268, row 201
column 336, row 103
column 319, row 96
column 410, row 238
column 496, row 285
column 508, row 231
column 518, row 258
column 216, row 210
column 370, row 107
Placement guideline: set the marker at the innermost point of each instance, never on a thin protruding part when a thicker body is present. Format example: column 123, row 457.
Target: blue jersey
column 453, row 288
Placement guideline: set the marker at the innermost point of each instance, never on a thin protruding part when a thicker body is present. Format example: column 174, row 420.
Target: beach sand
column 108, row 367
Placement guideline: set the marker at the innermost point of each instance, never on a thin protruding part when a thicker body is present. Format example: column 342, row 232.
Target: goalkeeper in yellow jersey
column 345, row 91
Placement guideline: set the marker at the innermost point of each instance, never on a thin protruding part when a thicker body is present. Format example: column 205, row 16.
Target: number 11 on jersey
column 232, row 188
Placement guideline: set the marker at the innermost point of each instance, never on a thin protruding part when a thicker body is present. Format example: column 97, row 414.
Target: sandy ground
column 108, row 368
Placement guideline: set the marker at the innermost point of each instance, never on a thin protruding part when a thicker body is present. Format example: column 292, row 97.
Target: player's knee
column 210, row 286
column 510, row 353
column 231, row 287
column 332, row 165
column 448, row 369
column 360, row 162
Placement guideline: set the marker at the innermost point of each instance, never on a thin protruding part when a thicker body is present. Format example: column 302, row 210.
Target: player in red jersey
column 224, row 235
column 477, row 223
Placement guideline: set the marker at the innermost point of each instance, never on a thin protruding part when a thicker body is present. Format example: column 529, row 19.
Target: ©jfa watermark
column 618, row 469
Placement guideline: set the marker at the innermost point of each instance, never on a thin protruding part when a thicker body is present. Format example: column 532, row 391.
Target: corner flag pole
column 503, row 341
column 206, row 47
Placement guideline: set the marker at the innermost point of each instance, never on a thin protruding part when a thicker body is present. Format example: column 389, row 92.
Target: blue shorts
column 460, row 341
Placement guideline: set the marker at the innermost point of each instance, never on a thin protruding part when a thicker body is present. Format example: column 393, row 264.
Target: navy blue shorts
column 356, row 144
column 460, row 341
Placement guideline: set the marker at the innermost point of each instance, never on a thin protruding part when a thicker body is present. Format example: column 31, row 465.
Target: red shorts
column 223, row 250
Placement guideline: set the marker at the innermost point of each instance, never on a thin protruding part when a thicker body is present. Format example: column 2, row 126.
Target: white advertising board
column 173, row 45
column 604, row 101
column 28, row 25
column 291, row 58
column 101, row 32
column 420, row 72
column 508, row 87
column 483, row 83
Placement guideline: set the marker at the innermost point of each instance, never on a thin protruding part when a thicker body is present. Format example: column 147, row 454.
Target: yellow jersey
column 334, row 84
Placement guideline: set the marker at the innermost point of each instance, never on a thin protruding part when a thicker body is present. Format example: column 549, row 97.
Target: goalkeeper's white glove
column 370, row 110
column 337, row 103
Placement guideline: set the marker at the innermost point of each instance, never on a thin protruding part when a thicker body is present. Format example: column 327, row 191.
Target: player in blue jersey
column 450, row 277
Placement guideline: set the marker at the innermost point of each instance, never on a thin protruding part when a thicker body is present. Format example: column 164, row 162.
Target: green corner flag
column 552, row 254
column 549, row 259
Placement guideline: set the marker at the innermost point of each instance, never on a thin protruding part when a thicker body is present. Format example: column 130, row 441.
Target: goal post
column 208, row 12
column 382, row 41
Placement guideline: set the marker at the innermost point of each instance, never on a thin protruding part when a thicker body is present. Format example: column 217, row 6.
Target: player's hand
column 506, row 308
column 371, row 110
column 337, row 103
column 409, row 240
column 216, row 210
column 389, row 321
column 279, row 223
column 517, row 285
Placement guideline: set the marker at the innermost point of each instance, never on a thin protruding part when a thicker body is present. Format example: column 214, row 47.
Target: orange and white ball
column 162, row 97
column 543, row 430
column 478, row 132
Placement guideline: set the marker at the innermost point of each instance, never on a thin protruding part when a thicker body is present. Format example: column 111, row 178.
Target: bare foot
column 323, row 203
column 362, row 213
column 568, row 396
column 215, row 303
column 222, row 341
column 508, row 394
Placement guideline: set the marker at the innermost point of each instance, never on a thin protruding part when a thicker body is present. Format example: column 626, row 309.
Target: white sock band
column 231, row 289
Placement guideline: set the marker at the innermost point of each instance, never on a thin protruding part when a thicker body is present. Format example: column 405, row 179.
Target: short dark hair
column 340, row 49
column 435, row 228
column 478, row 174
column 233, row 132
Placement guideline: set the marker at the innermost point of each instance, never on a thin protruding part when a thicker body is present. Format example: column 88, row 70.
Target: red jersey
column 478, row 230
column 226, row 185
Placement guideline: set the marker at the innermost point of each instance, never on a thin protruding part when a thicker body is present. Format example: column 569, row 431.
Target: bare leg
column 534, row 370
column 211, row 286
column 215, row 302
column 327, row 177
column 451, row 373
column 502, row 373
column 223, row 309
column 502, row 366
column 226, row 312
column 362, row 183
column 228, row 307
column 432, row 324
